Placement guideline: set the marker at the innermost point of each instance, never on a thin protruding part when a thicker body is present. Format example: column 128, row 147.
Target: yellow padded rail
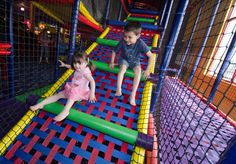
column 94, row 44
column 155, row 40
column 142, row 126
column 156, row 18
column 18, row 128
column 58, row 84
column 105, row 32
column 48, row 12
column 90, row 49
column 15, row 131
column 85, row 12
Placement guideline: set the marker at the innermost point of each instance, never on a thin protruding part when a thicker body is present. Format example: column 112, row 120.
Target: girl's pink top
column 78, row 88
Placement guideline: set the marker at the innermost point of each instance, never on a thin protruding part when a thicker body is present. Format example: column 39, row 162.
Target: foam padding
column 111, row 43
column 117, row 34
column 68, row 142
column 114, row 130
column 140, row 19
column 145, row 26
column 103, row 54
column 105, row 67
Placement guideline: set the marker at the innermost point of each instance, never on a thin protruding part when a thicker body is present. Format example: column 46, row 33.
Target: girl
column 77, row 89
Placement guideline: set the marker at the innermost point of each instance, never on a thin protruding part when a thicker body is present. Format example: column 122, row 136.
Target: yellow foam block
column 58, row 83
column 9, row 138
column 105, row 32
column 138, row 157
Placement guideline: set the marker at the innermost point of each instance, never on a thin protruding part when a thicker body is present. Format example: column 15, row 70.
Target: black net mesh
column 40, row 36
column 194, row 117
column 197, row 113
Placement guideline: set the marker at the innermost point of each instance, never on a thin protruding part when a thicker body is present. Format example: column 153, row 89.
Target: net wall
column 43, row 140
column 196, row 124
column 29, row 52
column 193, row 125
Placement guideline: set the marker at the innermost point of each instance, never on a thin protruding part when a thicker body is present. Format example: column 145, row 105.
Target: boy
column 131, row 47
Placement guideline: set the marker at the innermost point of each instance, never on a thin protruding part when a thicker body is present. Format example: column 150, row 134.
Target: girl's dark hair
column 82, row 55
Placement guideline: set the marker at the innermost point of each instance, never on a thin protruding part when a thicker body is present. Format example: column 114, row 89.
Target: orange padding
column 151, row 156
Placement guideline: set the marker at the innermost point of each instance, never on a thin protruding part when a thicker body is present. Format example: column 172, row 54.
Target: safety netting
column 193, row 120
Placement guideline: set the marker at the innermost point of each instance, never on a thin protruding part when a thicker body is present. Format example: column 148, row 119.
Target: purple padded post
column 32, row 100
column 145, row 141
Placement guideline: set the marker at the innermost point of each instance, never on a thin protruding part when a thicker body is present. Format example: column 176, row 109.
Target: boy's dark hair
column 82, row 55
column 134, row 27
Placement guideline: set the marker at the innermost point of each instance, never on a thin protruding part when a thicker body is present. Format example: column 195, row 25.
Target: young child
column 131, row 47
column 77, row 89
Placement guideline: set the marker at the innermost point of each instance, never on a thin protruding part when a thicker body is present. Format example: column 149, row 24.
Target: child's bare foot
column 61, row 116
column 132, row 101
column 118, row 93
column 36, row 107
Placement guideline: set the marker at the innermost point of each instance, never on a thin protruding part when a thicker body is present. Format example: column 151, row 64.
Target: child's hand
column 146, row 74
column 92, row 98
column 111, row 65
column 62, row 64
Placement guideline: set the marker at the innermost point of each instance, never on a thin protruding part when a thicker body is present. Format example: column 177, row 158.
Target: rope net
column 29, row 65
column 36, row 34
column 196, row 113
column 194, row 117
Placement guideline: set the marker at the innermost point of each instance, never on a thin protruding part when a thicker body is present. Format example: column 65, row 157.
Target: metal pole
column 166, row 22
column 229, row 154
column 124, row 7
column 108, row 4
column 163, row 12
column 169, row 48
column 57, row 52
column 120, row 12
column 11, row 57
column 199, row 56
column 230, row 53
column 190, row 39
column 73, row 31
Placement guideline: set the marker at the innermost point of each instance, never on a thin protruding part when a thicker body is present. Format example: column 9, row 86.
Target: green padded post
column 109, row 128
column 107, row 42
column 140, row 19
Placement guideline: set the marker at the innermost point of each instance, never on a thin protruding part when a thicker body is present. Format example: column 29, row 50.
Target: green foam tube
column 109, row 128
column 105, row 67
column 109, row 42
column 140, row 19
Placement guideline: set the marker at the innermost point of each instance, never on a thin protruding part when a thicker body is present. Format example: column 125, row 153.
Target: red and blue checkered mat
column 108, row 106
column 67, row 142
column 103, row 53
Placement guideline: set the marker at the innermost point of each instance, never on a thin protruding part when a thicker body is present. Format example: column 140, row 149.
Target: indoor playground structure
column 185, row 111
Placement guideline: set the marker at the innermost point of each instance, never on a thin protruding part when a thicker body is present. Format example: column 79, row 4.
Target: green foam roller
column 109, row 42
column 141, row 19
column 109, row 128
column 105, row 67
